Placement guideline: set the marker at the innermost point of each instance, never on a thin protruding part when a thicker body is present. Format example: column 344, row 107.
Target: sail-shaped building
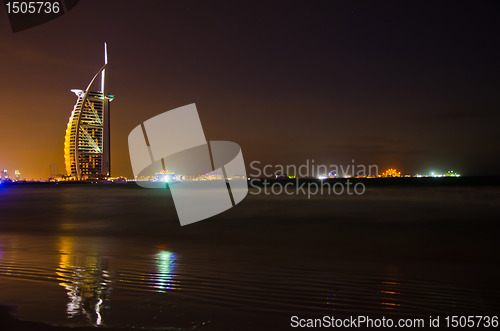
column 87, row 141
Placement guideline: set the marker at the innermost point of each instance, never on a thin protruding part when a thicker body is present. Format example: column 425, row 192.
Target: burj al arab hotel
column 87, row 141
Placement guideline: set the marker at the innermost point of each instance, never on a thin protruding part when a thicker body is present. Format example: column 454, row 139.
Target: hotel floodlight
column 87, row 141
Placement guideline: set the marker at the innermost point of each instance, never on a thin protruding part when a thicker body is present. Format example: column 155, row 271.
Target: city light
column 391, row 173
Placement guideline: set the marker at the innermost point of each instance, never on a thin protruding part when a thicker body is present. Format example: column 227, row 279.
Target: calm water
column 116, row 256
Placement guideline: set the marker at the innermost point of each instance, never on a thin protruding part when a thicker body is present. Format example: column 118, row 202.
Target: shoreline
column 379, row 181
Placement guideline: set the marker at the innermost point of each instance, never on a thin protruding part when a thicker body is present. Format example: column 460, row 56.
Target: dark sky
column 413, row 85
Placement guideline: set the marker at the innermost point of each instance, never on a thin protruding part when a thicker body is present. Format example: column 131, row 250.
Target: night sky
column 411, row 85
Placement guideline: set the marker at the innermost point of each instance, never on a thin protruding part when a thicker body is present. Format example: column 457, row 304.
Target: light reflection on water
column 89, row 256
column 110, row 282
column 85, row 276
column 165, row 265
column 88, row 271
column 84, row 271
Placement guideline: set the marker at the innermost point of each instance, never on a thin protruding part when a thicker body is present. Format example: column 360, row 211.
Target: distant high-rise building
column 17, row 174
column 87, row 142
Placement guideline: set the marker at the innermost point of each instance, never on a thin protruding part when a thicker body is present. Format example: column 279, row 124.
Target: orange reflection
column 390, row 290
column 84, row 275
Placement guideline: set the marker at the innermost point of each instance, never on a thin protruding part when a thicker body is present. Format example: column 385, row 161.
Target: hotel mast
column 87, row 141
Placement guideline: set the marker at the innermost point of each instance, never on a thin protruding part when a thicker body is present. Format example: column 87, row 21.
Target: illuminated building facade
column 391, row 173
column 87, row 141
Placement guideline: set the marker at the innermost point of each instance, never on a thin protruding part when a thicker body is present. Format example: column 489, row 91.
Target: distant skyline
column 412, row 86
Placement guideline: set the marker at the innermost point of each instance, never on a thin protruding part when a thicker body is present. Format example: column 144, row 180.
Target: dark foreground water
column 115, row 256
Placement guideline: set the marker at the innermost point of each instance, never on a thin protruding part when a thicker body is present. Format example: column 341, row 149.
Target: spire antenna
column 103, row 74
